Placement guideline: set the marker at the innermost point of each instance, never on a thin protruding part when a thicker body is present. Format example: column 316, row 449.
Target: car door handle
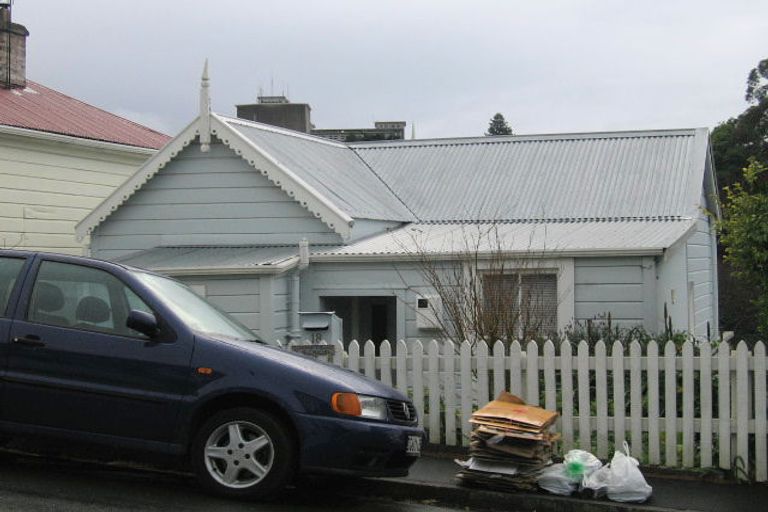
column 30, row 341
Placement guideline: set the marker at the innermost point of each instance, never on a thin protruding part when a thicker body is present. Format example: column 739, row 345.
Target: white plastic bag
column 597, row 481
column 556, row 480
column 580, row 464
column 567, row 477
column 625, row 482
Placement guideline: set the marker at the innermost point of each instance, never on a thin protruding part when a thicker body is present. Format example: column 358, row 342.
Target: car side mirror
column 143, row 322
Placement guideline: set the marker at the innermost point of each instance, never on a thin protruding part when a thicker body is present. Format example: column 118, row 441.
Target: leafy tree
column 734, row 143
column 738, row 139
column 757, row 83
column 498, row 126
column 744, row 234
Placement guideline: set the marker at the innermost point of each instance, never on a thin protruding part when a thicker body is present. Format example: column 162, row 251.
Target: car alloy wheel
column 244, row 453
column 239, row 454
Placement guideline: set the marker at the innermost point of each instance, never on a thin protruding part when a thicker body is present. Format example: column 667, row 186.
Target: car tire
column 244, row 453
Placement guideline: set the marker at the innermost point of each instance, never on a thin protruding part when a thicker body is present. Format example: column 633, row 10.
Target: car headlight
column 362, row 406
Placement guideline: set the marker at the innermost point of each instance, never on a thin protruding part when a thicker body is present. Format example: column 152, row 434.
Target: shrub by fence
column 697, row 406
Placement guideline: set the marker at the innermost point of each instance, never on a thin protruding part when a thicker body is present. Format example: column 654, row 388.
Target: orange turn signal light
column 346, row 403
column 204, row 370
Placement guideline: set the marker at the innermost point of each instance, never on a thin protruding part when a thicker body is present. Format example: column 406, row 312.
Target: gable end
column 309, row 198
column 283, row 178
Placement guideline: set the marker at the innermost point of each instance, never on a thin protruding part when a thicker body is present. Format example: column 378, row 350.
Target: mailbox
column 321, row 326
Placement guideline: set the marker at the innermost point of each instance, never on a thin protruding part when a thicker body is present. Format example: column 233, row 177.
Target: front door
column 74, row 365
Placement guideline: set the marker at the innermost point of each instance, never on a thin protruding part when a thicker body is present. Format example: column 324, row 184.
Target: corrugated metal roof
column 39, row 108
column 211, row 258
column 332, row 169
column 630, row 236
column 600, row 175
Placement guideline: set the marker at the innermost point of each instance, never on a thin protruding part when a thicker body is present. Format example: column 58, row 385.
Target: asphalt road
column 33, row 484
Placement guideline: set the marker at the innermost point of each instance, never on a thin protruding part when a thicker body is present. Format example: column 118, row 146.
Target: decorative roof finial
column 205, row 111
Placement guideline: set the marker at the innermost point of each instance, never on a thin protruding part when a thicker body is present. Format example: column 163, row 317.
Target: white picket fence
column 704, row 406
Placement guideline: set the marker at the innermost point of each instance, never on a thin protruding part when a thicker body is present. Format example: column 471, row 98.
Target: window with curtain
column 521, row 305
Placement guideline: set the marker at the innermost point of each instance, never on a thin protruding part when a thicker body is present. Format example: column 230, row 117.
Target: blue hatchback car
column 106, row 353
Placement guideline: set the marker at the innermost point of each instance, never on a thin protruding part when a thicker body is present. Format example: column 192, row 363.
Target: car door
column 12, row 271
column 73, row 364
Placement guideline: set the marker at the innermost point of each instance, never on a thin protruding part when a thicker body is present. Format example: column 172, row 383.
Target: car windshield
column 196, row 312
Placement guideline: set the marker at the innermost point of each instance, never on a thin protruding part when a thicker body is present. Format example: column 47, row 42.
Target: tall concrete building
column 279, row 111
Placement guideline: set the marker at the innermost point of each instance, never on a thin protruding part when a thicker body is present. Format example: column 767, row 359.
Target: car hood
column 341, row 378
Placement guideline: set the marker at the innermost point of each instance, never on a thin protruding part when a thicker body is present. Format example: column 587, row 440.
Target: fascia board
column 280, row 268
column 296, row 188
column 397, row 257
column 78, row 141
column 712, row 177
column 145, row 173
column 699, row 169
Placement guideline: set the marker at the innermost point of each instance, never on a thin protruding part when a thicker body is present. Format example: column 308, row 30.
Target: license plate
column 414, row 445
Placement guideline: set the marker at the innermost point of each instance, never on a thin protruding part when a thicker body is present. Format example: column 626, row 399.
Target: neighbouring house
column 267, row 222
column 59, row 157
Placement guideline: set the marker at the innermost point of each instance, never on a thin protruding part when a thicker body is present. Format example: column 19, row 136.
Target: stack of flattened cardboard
column 510, row 445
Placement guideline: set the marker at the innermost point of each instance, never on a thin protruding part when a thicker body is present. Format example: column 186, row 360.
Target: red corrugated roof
column 39, row 108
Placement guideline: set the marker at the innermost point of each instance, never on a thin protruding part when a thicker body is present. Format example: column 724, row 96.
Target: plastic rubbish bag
column 625, row 482
column 556, row 480
column 580, row 464
column 597, row 481
column 567, row 477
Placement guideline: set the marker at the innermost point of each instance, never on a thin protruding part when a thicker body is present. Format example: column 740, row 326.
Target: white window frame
column 563, row 268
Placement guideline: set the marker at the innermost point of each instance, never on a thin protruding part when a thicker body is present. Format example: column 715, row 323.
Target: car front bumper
column 356, row 447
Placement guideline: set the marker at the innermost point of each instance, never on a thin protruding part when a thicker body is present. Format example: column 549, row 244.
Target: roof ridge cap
column 507, row 139
column 563, row 220
column 283, row 131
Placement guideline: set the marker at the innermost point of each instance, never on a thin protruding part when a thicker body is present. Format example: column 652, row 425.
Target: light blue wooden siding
column 237, row 295
column 212, row 198
column 701, row 274
column 615, row 285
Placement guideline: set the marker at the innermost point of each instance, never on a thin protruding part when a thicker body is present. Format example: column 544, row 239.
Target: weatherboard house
column 59, row 157
column 267, row 223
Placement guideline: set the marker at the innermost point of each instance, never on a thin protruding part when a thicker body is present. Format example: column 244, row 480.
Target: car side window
column 9, row 273
column 81, row 297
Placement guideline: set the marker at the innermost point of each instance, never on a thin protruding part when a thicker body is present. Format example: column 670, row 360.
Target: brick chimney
column 13, row 50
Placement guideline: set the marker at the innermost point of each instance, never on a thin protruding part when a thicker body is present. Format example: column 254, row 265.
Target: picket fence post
column 705, row 392
column 418, row 379
column 761, row 452
column 465, row 354
column 601, row 398
column 585, row 409
column 433, row 385
column 566, row 389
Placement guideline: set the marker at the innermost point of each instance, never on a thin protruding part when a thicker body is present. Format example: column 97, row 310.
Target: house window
column 522, row 305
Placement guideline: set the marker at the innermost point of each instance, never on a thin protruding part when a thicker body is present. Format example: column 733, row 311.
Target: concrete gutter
column 474, row 499
column 432, row 481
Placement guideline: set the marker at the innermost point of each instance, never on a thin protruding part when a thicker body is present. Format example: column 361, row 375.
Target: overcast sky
column 448, row 66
